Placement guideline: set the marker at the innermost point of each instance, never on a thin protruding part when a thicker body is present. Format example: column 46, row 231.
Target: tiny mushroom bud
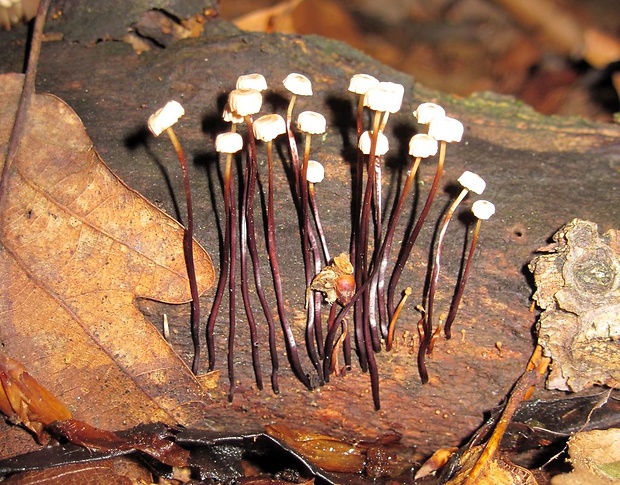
column 267, row 127
column 230, row 116
column 427, row 111
column 252, row 81
column 165, row 117
column 483, row 209
column 298, row 84
column 444, row 128
column 245, row 102
column 472, row 181
column 423, row 146
column 382, row 144
column 360, row 83
column 311, row 122
column 385, row 97
column 228, row 142
column 316, row 172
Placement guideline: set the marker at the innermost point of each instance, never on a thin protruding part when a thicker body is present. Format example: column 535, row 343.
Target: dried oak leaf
column 578, row 287
column 77, row 248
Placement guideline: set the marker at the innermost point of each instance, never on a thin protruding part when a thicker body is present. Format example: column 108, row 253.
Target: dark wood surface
column 541, row 172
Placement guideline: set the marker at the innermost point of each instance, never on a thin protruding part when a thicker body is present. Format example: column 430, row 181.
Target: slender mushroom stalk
column 359, row 84
column 445, row 130
column 228, row 143
column 482, row 210
column 163, row 120
column 470, row 182
column 246, row 102
column 314, row 175
column 267, row 128
column 298, row 85
column 380, row 148
column 383, row 99
column 420, row 146
column 310, row 123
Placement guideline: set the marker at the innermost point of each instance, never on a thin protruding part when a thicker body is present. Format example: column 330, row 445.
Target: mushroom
column 163, row 120
column 228, row 143
column 482, row 210
column 470, row 182
column 445, row 130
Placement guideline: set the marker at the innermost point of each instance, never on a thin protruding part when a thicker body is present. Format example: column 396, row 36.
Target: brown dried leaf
column 78, row 247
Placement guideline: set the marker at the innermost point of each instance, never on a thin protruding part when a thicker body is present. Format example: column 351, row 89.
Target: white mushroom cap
column 267, row 127
column 229, row 142
column 360, row 83
column 427, row 111
column 382, row 144
column 165, row 117
column 245, row 102
column 315, row 173
column 473, row 182
column 422, row 145
column 311, row 122
column 230, row 116
column 252, row 81
column 483, row 209
column 385, row 96
column 444, row 128
column 298, row 84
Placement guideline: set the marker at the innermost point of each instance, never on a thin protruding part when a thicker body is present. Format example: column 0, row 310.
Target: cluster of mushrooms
column 356, row 286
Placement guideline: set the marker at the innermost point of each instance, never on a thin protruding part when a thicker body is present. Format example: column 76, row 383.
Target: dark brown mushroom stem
column 456, row 300
column 366, row 342
column 228, row 254
column 386, row 246
column 289, row 338
column 246, row 227
column 364, row 236
column 232, row 288
column 310, row 253
column 188, row 251
column 411, row 239
column 28, row 91
column 356, row 209
column 426, row 345
column 317, row 221
column 271, row 240
column 292, row 143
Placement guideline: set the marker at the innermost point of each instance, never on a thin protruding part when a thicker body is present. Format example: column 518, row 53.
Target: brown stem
column 456, row 301
column 247, row 241
column 225, row 262
column 387, row 244
column 188, row 251
column 21, row 116
column 408, row 246
column 289, row 338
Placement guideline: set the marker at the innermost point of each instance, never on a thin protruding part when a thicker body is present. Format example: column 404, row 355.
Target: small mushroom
column 163, row 120
column 482, row 210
